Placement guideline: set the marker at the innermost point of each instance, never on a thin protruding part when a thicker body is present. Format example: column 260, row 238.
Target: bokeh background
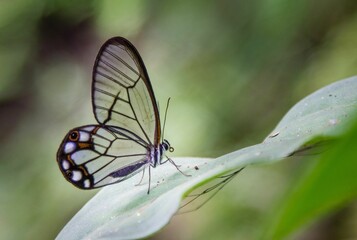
column 232, row 69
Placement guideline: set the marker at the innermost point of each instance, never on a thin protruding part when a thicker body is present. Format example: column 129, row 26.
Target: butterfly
column 127, row 138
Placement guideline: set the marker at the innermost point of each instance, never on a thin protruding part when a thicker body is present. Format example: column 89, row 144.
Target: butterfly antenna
column 167, row 107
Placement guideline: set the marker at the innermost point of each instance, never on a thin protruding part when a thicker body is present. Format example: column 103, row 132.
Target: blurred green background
column 232, row 69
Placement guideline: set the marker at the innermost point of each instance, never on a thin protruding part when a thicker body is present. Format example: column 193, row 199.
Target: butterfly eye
column 167, row 146
column 73, row 136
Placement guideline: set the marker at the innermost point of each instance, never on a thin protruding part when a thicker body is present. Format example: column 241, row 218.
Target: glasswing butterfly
column 127, row 138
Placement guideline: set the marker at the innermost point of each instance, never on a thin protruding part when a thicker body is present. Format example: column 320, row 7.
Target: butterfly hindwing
column 94, row 156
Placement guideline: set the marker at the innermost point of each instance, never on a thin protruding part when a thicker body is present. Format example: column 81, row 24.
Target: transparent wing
column 200, row 196
column 94, row 156
column 122, row 94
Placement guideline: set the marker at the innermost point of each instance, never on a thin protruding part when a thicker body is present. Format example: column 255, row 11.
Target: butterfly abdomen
column 128, row 170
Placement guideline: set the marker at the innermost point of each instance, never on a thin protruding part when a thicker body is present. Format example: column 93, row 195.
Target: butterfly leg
column 149, row 179
column 176, row 166
column 142, row 177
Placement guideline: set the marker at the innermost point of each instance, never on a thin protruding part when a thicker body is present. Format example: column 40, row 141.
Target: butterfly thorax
column 156, row 153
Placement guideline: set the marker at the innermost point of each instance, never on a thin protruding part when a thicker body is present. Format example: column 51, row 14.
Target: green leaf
column 125, row 211
column 327, row 186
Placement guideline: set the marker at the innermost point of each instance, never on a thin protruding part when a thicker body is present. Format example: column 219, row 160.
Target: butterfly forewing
column 95, row 156
column 122, row 94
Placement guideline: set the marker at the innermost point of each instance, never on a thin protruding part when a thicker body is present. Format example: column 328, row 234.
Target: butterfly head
column 166, row 145
column 70, row 153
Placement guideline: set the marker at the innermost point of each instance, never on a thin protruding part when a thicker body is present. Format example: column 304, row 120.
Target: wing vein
column 110, row 78
column 122, row 61
column 122, row 114
column 116, row 70
column 141, row 127
column 110, row 94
